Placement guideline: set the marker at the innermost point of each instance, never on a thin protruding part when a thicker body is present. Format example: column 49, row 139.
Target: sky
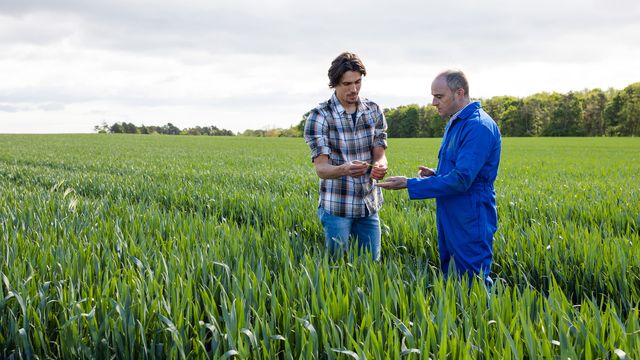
column 69, row 65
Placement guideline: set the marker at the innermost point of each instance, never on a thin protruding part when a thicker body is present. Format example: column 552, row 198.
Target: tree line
column 168, row 129
column 583, row 113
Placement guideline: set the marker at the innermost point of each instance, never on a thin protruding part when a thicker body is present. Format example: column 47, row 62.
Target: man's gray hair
column 456, row 80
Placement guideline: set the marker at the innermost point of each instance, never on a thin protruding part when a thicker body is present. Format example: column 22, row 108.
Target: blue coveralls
column 463, row 187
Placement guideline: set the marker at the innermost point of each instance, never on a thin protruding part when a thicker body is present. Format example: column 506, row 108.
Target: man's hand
column 378, row 171
column 393, row 183
column 424, row 172
column 356, row 168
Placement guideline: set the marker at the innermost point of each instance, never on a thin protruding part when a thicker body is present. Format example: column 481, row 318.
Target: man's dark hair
column 346, row 61
column 457, row 80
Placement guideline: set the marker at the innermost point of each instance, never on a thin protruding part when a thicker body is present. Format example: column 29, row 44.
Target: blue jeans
column 339, row 230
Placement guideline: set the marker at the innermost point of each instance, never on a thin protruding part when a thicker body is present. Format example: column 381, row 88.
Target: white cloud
column 69, row 65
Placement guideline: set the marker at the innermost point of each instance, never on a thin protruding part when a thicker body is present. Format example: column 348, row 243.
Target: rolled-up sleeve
column 380, row 135
column 315, row 134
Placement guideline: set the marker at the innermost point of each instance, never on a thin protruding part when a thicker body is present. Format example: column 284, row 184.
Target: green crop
column 201, row 247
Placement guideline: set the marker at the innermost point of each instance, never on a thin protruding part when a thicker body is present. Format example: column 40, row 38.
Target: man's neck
column 464, row 105
column 349, row 107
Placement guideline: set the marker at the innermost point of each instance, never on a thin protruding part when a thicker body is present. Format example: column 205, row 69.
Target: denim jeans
column 338, row 231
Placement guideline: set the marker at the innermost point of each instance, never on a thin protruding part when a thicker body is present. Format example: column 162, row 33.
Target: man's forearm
column 328, row 171
column 378, row 155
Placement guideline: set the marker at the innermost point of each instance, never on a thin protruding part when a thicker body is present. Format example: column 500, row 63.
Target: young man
column 463, row 183
column 347, row 137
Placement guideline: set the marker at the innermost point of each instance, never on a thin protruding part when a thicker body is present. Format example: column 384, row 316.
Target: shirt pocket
column 369, row 124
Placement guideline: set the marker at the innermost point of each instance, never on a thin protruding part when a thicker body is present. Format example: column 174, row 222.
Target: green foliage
column 414, row 121
column 508, row 111
column 131, row 246
column 630, row 109
column 585, row 113
column 566, row 116
column 168, row 129
column 594, row 109
column 293, row 131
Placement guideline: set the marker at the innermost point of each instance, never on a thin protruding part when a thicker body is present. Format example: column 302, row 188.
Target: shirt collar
column 466, row 111
column 340, row 109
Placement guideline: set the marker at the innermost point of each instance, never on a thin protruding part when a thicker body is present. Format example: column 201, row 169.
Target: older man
column 463, row 182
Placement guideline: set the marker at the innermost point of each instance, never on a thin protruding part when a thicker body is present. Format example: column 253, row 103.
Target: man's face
column 348, row 88
column 446, row 101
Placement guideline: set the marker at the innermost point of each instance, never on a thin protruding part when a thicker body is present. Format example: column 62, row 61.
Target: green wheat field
column 134, row 246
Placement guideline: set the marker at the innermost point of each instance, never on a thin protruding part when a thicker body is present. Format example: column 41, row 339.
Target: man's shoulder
column 322, row 108
column 483, row 116
column 474, row 112
column 369, row 105
column 479, row 120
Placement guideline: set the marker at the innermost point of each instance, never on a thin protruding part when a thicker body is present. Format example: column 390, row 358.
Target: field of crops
column 193, row 247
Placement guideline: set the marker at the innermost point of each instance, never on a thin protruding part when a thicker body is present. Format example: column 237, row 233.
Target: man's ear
column 460, row 92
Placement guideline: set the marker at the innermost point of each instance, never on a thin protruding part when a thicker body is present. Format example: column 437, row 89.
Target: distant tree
column 414, row 121
column 530, row 111
column 193, row 131
column 436, row 122
column 567, row 116
column 116, row 128
column 254, row 133
column 170, row 129
column 272, row 132
column 594, row 104
column 393, row 119
column 408, row 123
column 303, row 121
column 612, row 115
column 629, row 113
column 129, row 128
column 428, row 118
column 507, row 111
column 293, row 131
column 102, row 128
column 154, row 129
column 207, row 130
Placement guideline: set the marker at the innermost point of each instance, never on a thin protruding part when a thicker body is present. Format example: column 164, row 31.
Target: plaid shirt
column 329, row 130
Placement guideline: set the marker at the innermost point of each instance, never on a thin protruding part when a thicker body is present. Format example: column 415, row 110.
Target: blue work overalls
column 463, row 187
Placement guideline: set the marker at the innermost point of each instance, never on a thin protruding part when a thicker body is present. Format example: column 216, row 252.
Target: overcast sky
column 68, row 65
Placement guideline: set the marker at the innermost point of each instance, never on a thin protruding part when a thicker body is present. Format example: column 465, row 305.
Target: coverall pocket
column 461, row 211
column 472, row 213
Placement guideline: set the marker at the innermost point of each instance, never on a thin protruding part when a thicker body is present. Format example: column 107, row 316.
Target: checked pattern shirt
column 329, row 130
